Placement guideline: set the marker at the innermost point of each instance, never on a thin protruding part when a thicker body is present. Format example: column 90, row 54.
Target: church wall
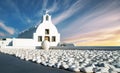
column 43, row 38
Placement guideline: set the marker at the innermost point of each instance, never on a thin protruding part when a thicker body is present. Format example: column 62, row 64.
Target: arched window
column 47, row 18
column 47, row 31
column 39, row 38
column 53, row 38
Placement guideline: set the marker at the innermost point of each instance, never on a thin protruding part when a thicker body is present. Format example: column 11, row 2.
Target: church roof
column 27, row 33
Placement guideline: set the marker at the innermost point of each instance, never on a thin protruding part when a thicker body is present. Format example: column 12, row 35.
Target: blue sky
column 79, row 21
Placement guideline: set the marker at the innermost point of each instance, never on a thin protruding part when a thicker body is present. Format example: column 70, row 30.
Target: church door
column 47, row 38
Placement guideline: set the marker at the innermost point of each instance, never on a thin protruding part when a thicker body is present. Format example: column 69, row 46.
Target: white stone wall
column 23, row 43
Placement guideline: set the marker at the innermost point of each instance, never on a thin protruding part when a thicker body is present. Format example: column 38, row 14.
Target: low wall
column 23, row 42
column 19, row 47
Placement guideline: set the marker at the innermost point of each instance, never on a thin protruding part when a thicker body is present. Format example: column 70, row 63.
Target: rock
column 34, row 59
column 58, row 64
column 104, row 70
column 44, row 63
column 22, row 57
column 50, row 64
column 74, row 60
column 89, row 69
column 100, row 64
column 74, row 68
column 38, row 61
column 64, row 65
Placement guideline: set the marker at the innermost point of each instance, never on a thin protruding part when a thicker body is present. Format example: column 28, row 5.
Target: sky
column 82, row 22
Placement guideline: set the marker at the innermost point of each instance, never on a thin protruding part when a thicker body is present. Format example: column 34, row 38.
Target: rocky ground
column 98, row 61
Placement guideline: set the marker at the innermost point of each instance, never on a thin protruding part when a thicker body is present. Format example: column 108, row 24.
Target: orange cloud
column 8, row 29
column 105, row 37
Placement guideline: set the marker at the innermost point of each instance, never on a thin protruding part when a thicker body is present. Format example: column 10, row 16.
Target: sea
column 111, row 48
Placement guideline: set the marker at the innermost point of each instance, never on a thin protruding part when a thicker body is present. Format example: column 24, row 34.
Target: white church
column 45, row 31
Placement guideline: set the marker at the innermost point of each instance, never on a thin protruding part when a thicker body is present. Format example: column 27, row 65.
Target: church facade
column 45, row 31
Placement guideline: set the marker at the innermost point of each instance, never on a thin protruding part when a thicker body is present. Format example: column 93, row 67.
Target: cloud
column 98, row 26
column 28, row 20
column 102, row 16
column 45, row 4
column 53, row 8
column 107, row 37
column 2, row 34
column 43, row 9
column 8, row 29
column 75, row 7
column 20, row 16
